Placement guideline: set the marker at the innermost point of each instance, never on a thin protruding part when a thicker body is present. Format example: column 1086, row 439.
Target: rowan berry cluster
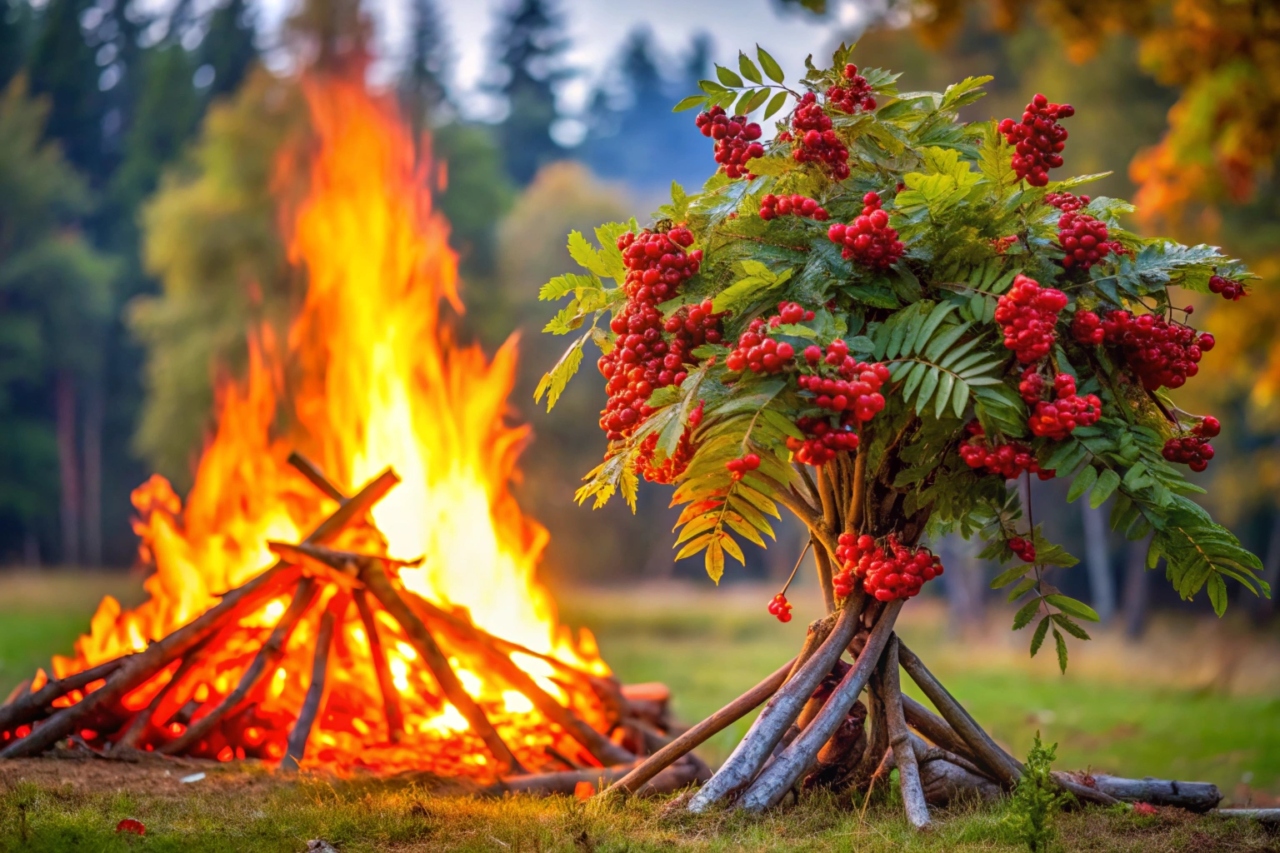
column 758, row 352
column 669, row 469
column 854, row 95
column 822, row 442
column 1226, row 288
column 1057, row 419
column 1027, row 314
column 642, row 359
column 859, row 395
column 815, row 141
column 1086, row 328
column 889, row 572
column 1038, row 139
column 780, row 608
column 1194, row 450
column 737, row 140
column 868, row 240
column 738, row 468
column 1066, row 202
column 1023, row 549
column 1010, row 461
column 772, row 206
column 1083, row 239
column 790, row 313
column 1159, row 353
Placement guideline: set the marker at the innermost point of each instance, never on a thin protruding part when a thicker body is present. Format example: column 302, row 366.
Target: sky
column 598, row 28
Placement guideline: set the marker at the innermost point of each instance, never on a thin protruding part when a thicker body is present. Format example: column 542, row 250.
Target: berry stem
column 796, row 567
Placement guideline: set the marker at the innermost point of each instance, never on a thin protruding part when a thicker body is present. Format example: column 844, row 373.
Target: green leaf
column 1037, row 639
column 752, row 102
column 1070, row 605
column 1083, row 482
column 775, row 104
column 1218, row 594
column 770, row 65
column 586, row 255
column 562, row 285
column 748, row 68
column 1062, row 650
column 727, row 77
column 1010, row 575
column 1023, row 617
column 1107, row 484
column 1064, row 622
column 689, row 103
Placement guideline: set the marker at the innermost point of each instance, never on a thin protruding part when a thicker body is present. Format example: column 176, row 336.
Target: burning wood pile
column 397, row 628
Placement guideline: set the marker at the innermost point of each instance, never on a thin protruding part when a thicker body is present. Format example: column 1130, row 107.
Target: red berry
column 869, row 240
column 1038, row 139
column 736, row 140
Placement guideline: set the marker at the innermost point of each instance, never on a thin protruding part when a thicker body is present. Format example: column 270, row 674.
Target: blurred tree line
column 139, row 241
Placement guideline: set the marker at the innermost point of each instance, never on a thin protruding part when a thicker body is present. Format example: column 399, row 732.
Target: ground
column 1195, row 700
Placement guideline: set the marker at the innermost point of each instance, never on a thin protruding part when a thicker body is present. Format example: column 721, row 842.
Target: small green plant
column 1037, row 800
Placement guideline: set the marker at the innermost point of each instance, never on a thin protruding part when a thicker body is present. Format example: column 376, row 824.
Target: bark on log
column 1268, row 816
column 316, row 692
column 1192, row 796
column 377, row 582
column 35, row 706
column 780, row 711
column 946, row 783
column 378, row 653
column 717, row 722
column 770, row 786
column 913, row 799
column 934, row 728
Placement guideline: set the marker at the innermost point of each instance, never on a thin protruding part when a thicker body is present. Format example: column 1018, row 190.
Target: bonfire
column 356, row 589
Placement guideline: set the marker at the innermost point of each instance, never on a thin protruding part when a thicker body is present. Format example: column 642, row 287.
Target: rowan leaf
column 770, row 65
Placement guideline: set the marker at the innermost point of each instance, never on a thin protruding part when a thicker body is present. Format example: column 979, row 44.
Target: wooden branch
column 935, row 728
column 1003, row 767
column 822, row 560
column 900, row 740
column 36, row 706
column 142, row 720
column 264, row 663
column 145, row 664
column 317, row 691
column 778, row 778
column 694, row 737
column 375, row 579
column 317, row 478
column 826, row 490
column 386, row 685
column 926, row 753
column 1193, row 796
column 946, row 783
column 679, row 775
column 1268, row 816
column 20, row 689
column 779, row 713
column 853, row 523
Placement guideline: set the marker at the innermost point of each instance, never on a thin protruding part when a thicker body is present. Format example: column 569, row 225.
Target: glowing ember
column 368, row 377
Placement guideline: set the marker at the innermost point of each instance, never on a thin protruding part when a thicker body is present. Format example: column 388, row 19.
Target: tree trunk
column 68, row 465
column 1098, row 562
column 94, row 411
column 1136, row 590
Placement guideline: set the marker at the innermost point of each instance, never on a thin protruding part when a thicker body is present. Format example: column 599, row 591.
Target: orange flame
column 374, row 378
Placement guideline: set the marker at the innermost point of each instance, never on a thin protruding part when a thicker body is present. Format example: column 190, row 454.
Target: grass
column 1195, row 701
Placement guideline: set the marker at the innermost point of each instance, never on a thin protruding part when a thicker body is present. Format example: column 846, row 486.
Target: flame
column 369, row 375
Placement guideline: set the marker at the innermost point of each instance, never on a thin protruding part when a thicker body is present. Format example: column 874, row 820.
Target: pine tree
column 63, row 68
column 423, row 88
column 531, row 52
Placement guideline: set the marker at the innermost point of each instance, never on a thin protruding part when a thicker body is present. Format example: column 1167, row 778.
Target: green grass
column 1164, row 708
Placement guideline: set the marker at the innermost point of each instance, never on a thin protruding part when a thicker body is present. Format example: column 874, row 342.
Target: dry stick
column 390, row 696
column 18, row 691
column 853, row 523
column 148, row 662
column 780, row 712
column 142, row 720
column 161, row 653
column 34, row 706
column 604, row 750
column 264, row 662
column 1005, row 768
column 1192, row 796
column 680, row 775
column 935, row 728
column 900, row 740
column 376, row 580
column 316, row 692
column 313, row 473
column 778, row 778
column 694, row 737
